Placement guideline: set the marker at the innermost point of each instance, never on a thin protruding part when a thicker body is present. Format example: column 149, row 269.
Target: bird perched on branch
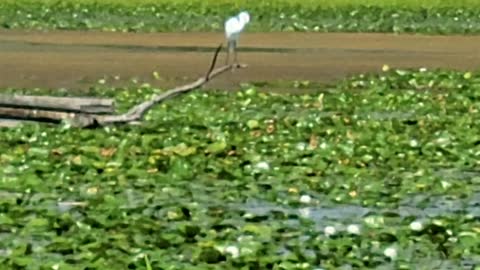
column 233, row 27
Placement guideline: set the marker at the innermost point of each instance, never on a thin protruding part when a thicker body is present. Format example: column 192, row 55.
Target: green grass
column 212, row 170
column 306, row 3
column 434, row 17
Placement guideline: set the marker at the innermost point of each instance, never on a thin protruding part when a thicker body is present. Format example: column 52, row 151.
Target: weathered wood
column 37, row 115
column 66, row 104
column 137, row 112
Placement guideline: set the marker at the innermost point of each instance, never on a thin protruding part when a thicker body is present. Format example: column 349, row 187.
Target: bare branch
column 214, row 61
column 135, row 114
column 138, row 112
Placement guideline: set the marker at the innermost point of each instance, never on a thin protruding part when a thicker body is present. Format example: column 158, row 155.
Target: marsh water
column 78, row 60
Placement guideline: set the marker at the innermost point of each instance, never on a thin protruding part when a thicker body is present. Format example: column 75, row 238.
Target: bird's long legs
column 228, row 54
column 235, row 62
column 230, row 48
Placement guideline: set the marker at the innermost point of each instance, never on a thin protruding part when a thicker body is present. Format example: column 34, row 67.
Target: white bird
column 233, row 27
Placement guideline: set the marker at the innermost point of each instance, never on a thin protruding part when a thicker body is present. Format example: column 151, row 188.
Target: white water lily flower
column 390, row 252
column 262, row 165
column 329, row 230
column 416, row 226
column 305, row 199
column 233, row 251
column 323, row 145
column 301, row 146
column 353, row 229
column 413, row 143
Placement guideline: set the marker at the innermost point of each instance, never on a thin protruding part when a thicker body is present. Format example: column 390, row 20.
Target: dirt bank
column 79, row 59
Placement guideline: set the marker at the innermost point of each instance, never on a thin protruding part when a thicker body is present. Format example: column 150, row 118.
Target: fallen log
column 66, row 104
column 34, row 114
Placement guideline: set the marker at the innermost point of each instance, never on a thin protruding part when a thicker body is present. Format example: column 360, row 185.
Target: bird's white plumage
column 233, row 28
column 235, row 25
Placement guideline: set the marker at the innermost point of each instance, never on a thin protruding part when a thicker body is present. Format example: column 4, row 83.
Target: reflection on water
column 432, row 207
column 342, row 215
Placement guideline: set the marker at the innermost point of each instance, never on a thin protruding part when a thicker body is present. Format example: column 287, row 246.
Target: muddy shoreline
column 78, row 60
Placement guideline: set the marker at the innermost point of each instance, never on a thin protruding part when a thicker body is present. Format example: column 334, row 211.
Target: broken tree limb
column 65, row 104
column 214, row 61
column 137, row 112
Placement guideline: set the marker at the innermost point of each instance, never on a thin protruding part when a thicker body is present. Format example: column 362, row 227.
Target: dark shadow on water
column 205, row 49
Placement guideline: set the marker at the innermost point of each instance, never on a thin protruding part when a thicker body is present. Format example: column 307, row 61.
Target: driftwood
column 65, row 104
column 135, row 114
column 34, row 114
